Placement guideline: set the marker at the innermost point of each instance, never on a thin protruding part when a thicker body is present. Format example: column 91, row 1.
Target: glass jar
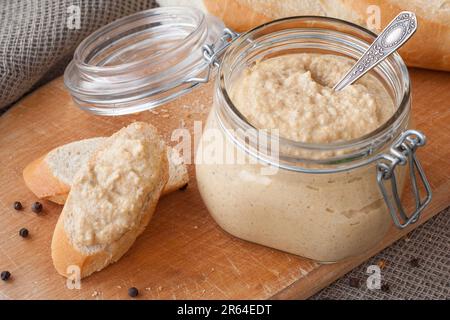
column 142, row 61
column 322, row 202
column 326, row 202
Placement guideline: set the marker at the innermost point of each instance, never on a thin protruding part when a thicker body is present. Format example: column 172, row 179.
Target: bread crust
column 429, row 47
column 235, row 15
column 65, row 255
column 40, row 180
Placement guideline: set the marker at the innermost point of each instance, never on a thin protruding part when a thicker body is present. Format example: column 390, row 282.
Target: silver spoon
column 393, row 37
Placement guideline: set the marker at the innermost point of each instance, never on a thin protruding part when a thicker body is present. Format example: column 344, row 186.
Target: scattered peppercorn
column 36, row 207
column 18, row 205
column 414, row 263
column 385, row 288
column 354, row 282
column 133, row 292
column 23, row 232
column 184, row 187
column 5, row 275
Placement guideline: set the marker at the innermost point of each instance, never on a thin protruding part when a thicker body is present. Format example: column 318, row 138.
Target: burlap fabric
column 38, row 37
column 36, row 45
column 416, row 267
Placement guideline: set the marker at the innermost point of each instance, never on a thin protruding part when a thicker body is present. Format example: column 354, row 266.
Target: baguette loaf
column 191, row 3
column 112, row 199
column 51, row 176
column 429, row 48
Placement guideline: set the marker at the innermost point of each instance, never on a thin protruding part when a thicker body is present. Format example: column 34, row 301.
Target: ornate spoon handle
column 393, row 37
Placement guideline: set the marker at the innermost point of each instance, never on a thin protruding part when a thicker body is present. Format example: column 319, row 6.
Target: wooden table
column 183, row 254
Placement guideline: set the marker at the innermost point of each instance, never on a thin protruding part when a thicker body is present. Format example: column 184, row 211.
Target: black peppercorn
column 36, row 207
column 184, row 187
column 23, row 232
column 133, row 292
column 5, row 275
column 18, row 205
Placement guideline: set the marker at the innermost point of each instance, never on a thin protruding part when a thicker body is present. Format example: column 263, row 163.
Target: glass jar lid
column 142, row 61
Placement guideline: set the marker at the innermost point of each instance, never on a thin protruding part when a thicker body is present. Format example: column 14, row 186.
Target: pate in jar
column 311, row 170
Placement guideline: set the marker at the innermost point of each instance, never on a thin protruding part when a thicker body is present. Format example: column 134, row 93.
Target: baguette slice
column 51, row 176
column 112, row 199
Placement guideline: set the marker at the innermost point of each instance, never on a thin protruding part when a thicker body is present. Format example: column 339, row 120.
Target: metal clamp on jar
column 403, row 152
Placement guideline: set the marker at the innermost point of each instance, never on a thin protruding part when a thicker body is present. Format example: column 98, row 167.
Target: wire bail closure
column 403, row 152
column 212, row 53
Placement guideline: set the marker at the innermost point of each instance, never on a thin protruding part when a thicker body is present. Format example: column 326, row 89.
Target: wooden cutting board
column 183, row 254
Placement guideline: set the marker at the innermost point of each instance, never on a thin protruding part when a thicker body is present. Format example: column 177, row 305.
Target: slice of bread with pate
column 50, row 176
column 112, row 199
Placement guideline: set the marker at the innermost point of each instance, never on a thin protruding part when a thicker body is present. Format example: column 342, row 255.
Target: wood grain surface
column 183, row 254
